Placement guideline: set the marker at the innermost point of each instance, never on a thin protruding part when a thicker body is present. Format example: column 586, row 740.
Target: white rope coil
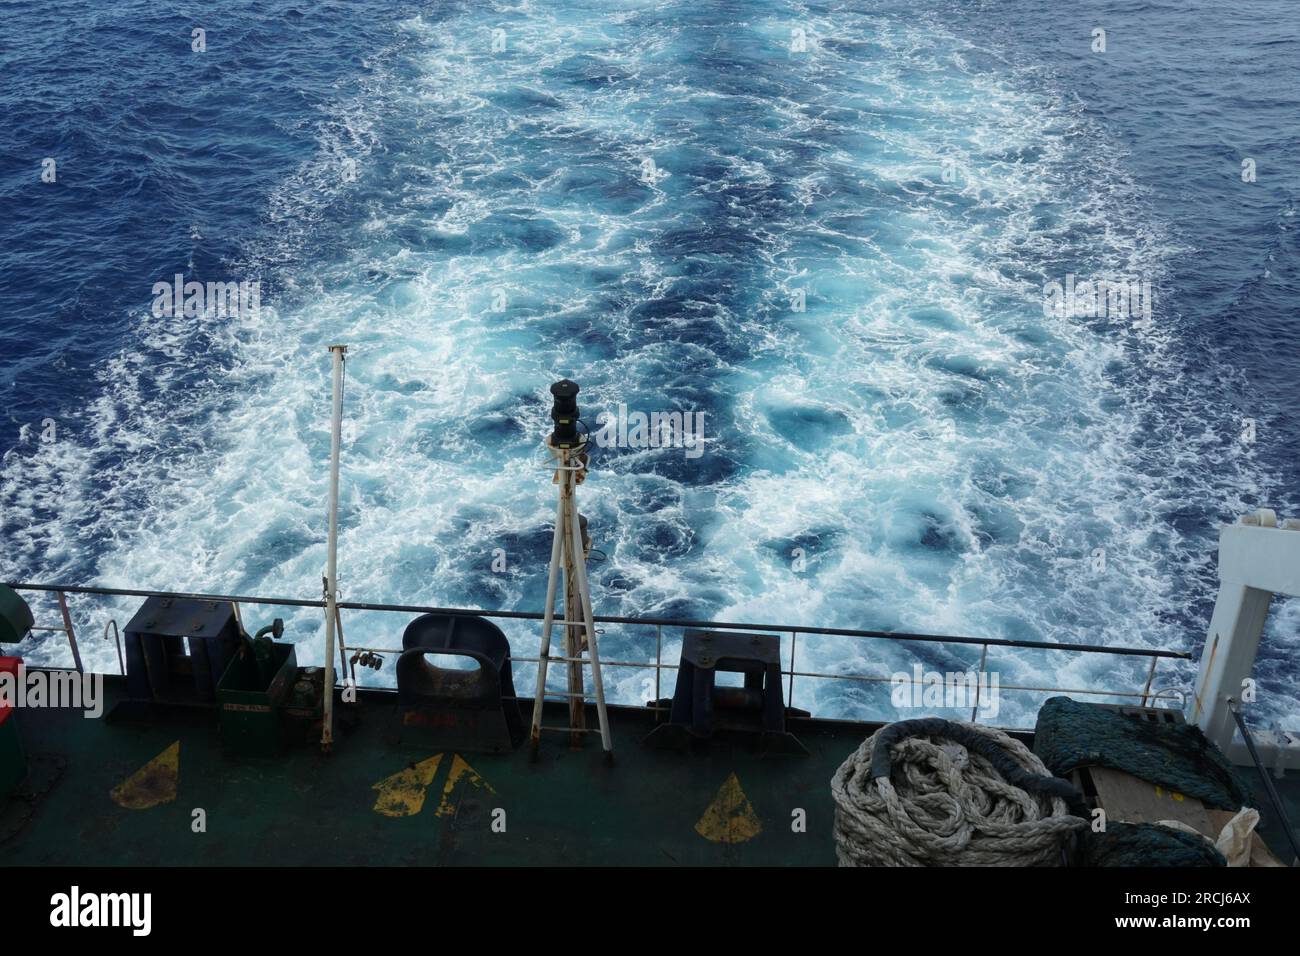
column 945, row 806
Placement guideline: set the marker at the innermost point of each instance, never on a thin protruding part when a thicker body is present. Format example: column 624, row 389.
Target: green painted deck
column 568, row 808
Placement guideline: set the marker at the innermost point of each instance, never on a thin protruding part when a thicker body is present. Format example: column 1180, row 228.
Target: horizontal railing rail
column 657, row 665
column 611, row 619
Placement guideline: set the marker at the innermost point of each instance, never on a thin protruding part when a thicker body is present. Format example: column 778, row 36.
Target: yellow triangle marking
column 460, row 770
column 730, row 818
column 152, row 784
column 402, row 794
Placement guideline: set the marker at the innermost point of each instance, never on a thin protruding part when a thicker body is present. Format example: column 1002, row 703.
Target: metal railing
column 795, row 632
column 1270, row 788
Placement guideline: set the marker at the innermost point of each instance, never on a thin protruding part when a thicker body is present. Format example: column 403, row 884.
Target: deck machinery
column 440, row 769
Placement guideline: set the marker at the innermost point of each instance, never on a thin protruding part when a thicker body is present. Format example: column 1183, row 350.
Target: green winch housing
column 15, row 616
column 251, row 692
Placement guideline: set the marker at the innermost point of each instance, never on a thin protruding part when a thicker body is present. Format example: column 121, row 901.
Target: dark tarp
column 1177, row 756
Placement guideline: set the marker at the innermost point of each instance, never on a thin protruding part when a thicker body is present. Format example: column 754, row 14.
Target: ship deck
column 378, row 801
column 375, row 801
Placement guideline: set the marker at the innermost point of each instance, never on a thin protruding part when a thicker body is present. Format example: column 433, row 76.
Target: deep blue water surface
column 483, row 197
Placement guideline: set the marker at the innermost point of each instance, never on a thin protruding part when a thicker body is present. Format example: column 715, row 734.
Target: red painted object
column 10, row 665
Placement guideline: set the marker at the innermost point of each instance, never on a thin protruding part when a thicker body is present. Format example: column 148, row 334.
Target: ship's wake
column 826, row 231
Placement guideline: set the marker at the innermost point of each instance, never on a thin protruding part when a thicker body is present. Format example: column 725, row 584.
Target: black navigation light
column 565, row 414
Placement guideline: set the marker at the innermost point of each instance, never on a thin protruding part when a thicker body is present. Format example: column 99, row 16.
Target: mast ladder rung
column 569, row 660
column 569, row 730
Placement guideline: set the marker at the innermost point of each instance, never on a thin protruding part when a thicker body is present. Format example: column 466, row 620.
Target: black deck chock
column 177, row 649
column 471, row 709
column 700, row 708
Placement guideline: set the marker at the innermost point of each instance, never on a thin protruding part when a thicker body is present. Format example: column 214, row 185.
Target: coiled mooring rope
column 933, row 792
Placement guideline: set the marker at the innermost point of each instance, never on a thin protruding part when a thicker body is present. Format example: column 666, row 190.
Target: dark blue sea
column 826, row 227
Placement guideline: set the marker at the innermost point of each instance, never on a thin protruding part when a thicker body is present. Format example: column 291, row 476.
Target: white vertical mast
column 331, row 565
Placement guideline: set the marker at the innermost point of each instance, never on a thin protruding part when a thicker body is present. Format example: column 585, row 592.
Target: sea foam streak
column 933, row 451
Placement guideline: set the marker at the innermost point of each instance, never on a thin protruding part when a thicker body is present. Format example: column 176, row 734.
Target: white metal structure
column 1258, row 558
column 569, row 552
column 337, row 353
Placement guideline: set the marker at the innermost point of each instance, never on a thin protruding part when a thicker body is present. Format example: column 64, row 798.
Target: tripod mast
column 569, row 549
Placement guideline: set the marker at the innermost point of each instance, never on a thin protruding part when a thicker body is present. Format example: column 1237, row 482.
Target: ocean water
column 826, row 227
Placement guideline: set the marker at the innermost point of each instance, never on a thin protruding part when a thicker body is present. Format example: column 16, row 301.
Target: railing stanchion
column 974, row 711
column 659, row 662
column 117, row 636
column 1151, row 675
column 789, row 697
column 344, row 669
column 72, row 635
